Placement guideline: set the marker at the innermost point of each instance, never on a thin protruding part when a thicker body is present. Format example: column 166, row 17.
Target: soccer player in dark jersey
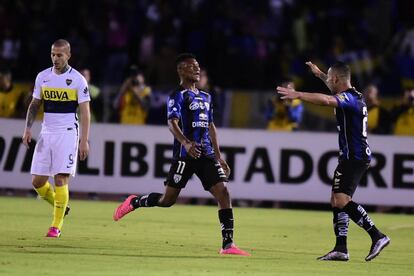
column 195, row 151
column 354, row 157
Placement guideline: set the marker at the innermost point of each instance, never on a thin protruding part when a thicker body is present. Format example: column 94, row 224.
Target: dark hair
column 285, row 80
column 342, row 69
column 183, row 57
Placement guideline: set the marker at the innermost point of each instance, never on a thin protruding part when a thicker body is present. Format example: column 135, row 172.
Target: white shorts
column 56, row 153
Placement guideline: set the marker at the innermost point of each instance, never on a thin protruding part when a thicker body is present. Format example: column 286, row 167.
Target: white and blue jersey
column 352, row 118
column 195, row 113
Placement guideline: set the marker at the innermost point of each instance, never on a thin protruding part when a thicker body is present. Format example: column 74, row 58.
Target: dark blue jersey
column 352, row 117
column 195, row 113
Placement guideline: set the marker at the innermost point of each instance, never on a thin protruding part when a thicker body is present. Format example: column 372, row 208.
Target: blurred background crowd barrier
column 272, row 166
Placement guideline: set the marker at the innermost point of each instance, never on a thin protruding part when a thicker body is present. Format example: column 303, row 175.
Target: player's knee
column 38, row 182
column 225, row 193
column 61, row 179
column 341, row 203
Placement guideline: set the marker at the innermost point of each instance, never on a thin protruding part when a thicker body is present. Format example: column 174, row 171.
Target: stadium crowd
column 250, row 45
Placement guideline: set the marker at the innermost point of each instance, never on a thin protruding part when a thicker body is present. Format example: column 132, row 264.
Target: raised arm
column 318, row 72
column 30, row 118
column 315, row 98
column 190, row 146
column 85, row 120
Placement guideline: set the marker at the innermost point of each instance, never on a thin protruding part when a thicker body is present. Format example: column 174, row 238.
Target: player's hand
column 314, row 68
column 288, row 93
column 225, row 167
column 27, row 137
column 192, row 149
column 83, row 150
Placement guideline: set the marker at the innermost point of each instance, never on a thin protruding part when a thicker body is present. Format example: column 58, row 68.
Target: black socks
column 340, row 224
column 150, row 200
column 227, row 225
column 358, row 214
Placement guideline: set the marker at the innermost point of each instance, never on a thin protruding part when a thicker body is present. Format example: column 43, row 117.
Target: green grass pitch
column 184, row 240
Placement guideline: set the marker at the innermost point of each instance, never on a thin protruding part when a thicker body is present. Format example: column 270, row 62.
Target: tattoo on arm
column 324, row 78
column 32, row 112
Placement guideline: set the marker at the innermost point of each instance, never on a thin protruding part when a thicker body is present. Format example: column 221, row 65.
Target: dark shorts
column 208, row 170
column 347, row 175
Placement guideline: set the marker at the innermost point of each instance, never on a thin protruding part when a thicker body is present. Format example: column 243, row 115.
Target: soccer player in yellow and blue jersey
column 61, row 89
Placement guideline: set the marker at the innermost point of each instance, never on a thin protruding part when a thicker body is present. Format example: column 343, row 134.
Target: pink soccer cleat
column 124, row 208
column 233, row 250
column 53, row 233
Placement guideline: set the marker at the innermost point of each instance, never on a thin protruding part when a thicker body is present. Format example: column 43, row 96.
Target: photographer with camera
column 134, row 98
column 403, row 114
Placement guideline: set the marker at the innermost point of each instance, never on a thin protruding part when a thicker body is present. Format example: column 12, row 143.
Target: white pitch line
column 401, row 226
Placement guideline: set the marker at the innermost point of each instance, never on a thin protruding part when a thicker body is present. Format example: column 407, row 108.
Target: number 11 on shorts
column 181, row 166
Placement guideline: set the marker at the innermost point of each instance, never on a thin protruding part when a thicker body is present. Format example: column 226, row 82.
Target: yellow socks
column 46, row 192
column 61, row 201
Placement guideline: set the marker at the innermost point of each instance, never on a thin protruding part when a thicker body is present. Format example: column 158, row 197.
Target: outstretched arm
column 30, row 118
column 318, row 72
column 315, row 98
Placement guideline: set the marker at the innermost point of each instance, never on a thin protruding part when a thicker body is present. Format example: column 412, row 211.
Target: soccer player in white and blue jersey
column 196, row 151
column 354, row 157
column 61, row 89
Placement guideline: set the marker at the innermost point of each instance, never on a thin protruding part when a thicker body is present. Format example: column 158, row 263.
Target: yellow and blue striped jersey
column 61, row 95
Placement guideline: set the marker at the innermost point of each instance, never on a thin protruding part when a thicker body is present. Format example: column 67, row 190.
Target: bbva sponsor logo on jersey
column 199, row 105
column 56, row 94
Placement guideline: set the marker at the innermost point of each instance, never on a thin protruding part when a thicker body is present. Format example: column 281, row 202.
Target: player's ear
column 180, row 69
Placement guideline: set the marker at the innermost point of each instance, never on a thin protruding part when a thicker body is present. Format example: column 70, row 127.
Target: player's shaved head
column 62, row 43
column 341, row 70
column 60, row 54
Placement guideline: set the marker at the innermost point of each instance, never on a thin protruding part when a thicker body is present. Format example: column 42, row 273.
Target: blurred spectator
column 117, row 38
column 162, row 69
column 379, row 121
column 10, row 47
column 134, row 98
column 11, row 96
column 403, row 114
column 217, row 96
column 96, row 99
column 284, row 114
